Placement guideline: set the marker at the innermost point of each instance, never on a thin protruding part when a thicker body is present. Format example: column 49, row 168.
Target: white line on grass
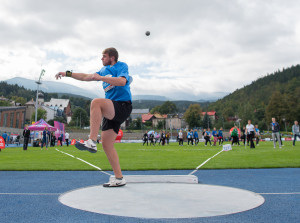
column 194, row 171
column 98, row 168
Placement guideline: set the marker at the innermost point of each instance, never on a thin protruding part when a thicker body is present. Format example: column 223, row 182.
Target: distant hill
column 275, row 95
column 53, row 87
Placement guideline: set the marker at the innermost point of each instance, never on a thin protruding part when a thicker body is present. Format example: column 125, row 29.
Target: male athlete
column 111, row 111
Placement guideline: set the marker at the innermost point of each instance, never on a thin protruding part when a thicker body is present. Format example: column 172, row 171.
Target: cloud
column 195, row 46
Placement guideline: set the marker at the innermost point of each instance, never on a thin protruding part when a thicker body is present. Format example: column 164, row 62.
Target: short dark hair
column 112, row 52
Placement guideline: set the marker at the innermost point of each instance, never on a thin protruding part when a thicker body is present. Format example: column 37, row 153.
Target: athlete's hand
column 60, row 74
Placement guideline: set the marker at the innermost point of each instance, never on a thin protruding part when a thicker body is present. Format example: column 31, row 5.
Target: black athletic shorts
column 122, row 112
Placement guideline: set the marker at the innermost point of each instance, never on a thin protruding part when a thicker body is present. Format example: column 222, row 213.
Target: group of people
column 153, row 137
column 48, row 136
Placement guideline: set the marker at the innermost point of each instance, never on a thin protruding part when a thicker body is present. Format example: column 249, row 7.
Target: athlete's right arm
column 78, row 76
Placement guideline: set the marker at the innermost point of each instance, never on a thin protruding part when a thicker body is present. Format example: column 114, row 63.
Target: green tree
column 156, row 109
column 19, row 100
column 41, row 114
column 193, row 115
column 79, row 118
column 206, row 123
column 167, row 108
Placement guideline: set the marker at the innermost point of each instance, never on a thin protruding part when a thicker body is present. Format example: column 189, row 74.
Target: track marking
column 202, row 164
column 96, row 167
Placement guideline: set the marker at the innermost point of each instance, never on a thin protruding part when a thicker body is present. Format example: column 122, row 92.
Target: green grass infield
column 135, row 156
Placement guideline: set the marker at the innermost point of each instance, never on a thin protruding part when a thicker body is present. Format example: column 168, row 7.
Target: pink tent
column 40, row 126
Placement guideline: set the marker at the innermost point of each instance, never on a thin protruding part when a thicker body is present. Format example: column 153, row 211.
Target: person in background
column 26, row 135
column 206, row 136
column 196, row 137
column 250, row 132
column 235, row 136
column 220, row 136
column 4, row 136
column 67, row 138
column 296, row 132
column 180, row 137
column 145, row 138
column 190, row 137
column 275, row 132
column 215, row 135
column 151, row 138
column 61, row 138
column 168, row 137
column 257, row 135
column 163, row 138
column 44, row 138
column 52, row 139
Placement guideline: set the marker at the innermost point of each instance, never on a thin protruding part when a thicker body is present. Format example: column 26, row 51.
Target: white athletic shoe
column 114, row 182
column 87, row 145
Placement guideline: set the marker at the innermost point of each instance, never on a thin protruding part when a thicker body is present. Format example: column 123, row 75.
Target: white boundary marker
column 98, row 168
column 197, row 168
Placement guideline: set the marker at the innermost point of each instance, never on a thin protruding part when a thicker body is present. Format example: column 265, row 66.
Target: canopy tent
column 40, row 126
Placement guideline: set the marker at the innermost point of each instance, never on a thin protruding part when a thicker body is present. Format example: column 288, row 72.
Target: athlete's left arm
column 115, row 81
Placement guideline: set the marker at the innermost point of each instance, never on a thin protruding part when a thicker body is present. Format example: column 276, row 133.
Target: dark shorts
column 122, row 112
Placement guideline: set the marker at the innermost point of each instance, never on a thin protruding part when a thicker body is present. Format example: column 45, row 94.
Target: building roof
column 157, row 115
column 140, row 111
column 210, row 113
column 146, row 117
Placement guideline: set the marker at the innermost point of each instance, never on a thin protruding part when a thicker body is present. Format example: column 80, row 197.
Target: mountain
column 274, row 95
column 52, row 87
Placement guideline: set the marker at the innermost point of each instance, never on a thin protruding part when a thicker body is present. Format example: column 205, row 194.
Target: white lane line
column 98, row 168
column 202, row 164
column 32, row 194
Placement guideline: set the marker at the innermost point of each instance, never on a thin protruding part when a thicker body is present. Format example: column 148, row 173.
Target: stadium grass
column 134, row 156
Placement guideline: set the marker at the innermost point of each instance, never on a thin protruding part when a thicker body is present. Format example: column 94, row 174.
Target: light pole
column 37, row 92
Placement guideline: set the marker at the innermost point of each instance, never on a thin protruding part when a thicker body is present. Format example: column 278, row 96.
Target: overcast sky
column 195, row 46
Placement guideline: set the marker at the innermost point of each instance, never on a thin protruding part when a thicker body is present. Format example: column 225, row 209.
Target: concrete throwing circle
column 162, row 200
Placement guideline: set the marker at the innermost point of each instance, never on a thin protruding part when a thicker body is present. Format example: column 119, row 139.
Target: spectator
column 60, row 139
column 220, row 136
column 44, row 138
column 53, row 139
column 151, row 137
column 168, row 137
column 295, row 129
column 196, row 137
column 67, row 138
column 206, row 136
column 4, row 136
column 190, row 137
column 243, row 137
column 215, row 135
column 180, row 137
column 250, row 132
column 235, row 136
column 257, row 135
column 145, row 138
column 275, row 132
column 163, row 138
column 26, row 135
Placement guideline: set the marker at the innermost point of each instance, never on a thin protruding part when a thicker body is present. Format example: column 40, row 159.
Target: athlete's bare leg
column 108, row 140
column 100, row 108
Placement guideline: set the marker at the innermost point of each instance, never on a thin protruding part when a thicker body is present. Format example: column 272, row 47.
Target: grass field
column 134, row 156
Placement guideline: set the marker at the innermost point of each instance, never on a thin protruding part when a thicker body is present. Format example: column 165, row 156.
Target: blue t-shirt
column 195, row 134
column 116, row 93
column 4, row 135
column 214, row 133
column 220, row 133
column 208, row 133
